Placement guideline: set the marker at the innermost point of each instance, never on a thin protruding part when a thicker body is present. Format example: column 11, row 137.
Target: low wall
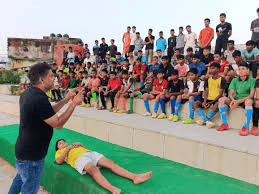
column 226, row 152
column 5, row 88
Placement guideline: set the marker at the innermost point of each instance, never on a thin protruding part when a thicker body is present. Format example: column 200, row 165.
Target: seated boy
column 182, row 68
column 159, row 88
column 103, row 87
column 84, row 84
column 214, row 89
column 86, row 161
column 207, row 56
column 193, row 92
column 114, row 85
column 126, row 90
column 241, row 93
column 174, row 91
column 188, row 57
column 147, row 88
column 93, row 86
column 72, row 83
column 200, row 66
column 139, row 72
column 254, row 130
column 155, row 64
column 174, row 59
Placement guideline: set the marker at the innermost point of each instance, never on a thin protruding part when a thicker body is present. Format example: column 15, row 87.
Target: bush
column 9, row 77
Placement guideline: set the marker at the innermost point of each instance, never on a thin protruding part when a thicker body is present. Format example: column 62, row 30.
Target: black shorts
column 131, row 48
column 196, row 98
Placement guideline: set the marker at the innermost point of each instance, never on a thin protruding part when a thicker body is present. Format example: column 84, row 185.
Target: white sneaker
column 154, row 115
column 146, row 114
column 200, row 122
column 210, row 124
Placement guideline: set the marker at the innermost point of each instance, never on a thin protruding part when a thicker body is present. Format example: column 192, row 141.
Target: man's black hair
column 181, row 27
column 177, row 49
column 94, row 70
column 217, row 53
column 172, row 30
column 155, row 57
column 150, row 30
column 105, row 70
column 114, row 63
column 96, row 41
column 126, row 60
column 207, row 19
column 257, row 10
column 160, row 71
column 72, row 72
column 104, row 61
column 86, row 44
column 26, row 71
column 137, row 33
column 70, row 47
column 112, row 40
column 231, row 41
column 175, row 72
column 244, row 64
column 194, row 71
column 113, row 72
column 53, row 71
column 155, row 72
column 103, row 39
column 60, row 71
column 85, row 72
column 118, row 53
column 71, row 63
column 217, row 65
column 188, row 26
column 207, row 48
column 138, row 59
column 189, row 49
column 165, row 57
column 37, row 71
column 196, row 56
column 158, row 50
column 180, row 57
column 124, row 72
column 250, row 42
column 56, row 147
column 223, row 14
column 139, row 51
column 236, row 53
column 161, row 32
column 129, row 27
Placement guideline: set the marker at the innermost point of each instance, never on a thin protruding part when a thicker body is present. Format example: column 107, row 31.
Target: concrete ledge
column 226, row 152
column 5, row 88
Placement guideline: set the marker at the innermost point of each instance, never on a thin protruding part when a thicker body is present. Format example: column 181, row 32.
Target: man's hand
column 234, row 104
column 70, row 94
column 79, row 97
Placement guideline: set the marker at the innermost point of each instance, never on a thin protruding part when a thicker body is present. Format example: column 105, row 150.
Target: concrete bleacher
column 226, row 152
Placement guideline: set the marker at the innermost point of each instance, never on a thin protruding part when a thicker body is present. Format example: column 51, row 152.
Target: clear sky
column 91, row 20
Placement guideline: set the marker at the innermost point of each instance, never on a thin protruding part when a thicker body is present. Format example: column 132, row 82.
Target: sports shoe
column 244, row 131
column 188, row 121
column 200, row 122
column 210, row 124
column 101, row 108
column 162, row 116
column 88, row 105
column 115, row 110
column 147, row 114
column 111, row 110
column 154, row 115
column 175, row 118
column 222, row 127
column 122, row 111
column 170, row 118
column 129, row 111
column 83, row 104
column 254, row 131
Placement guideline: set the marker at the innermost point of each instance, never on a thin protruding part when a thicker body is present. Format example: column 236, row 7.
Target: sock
column 190, row 109
column 211, row 114
column 172, row 106
column 123, row 101
column 89, row 100
column 131, row 103
column 162, row 104
column 141, row 84
column 94, row 96
column 116, row 102
column 156, row 106
column 222, row 111
column 248, row 115
column 146, row 103
column 177, row 107
column 63, row 95
column 200, row 113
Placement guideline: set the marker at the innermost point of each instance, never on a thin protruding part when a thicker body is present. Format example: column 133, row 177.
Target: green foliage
column 9, row 77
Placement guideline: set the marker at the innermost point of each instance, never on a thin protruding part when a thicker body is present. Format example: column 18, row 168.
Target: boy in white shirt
column 190, row 39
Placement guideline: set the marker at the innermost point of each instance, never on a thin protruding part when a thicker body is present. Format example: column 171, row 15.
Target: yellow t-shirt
column 77, row 72
column 214, row 87
column 72, row 155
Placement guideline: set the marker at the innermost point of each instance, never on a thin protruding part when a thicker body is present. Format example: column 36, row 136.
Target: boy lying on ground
column 86, row 161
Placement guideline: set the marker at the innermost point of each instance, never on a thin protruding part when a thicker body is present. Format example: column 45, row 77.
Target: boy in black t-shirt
column 174, row 91
column 103, row 87
column 254, row 130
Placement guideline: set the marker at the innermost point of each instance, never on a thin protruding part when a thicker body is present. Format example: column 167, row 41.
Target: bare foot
column 140, row 178
column 116, row 191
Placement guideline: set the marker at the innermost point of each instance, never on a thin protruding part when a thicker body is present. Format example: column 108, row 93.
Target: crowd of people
column 182, row 69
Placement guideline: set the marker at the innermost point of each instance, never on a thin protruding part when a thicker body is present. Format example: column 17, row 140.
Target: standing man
column 171, row 45
column 161, row 43
column 133, row 37
column 180, row 40
column 103, row 49
column 37, row 120
column 112, row 49
column 78, row 50
column 139, row 44
column 255, row 30
column 190, row 40
column 206, row 36
column 149, row 42
column 224, row 31
column 126, row 41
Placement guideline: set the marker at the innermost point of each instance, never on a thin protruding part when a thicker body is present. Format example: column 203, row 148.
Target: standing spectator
column 70, row 56
column 224, row 31
column 133, row 37
column 139, row 44
column 171, row 45
column 103, row 49
column 149, row 42
column 190, row 39
column 229, row 52
column 255, row 30
column 96, row 48
column 251, row 56
column 112, row 49
column 161, row 42
column 180, row 40
column 126, row 41
column 206, row 36
column 86, row 50
column 78, row 49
